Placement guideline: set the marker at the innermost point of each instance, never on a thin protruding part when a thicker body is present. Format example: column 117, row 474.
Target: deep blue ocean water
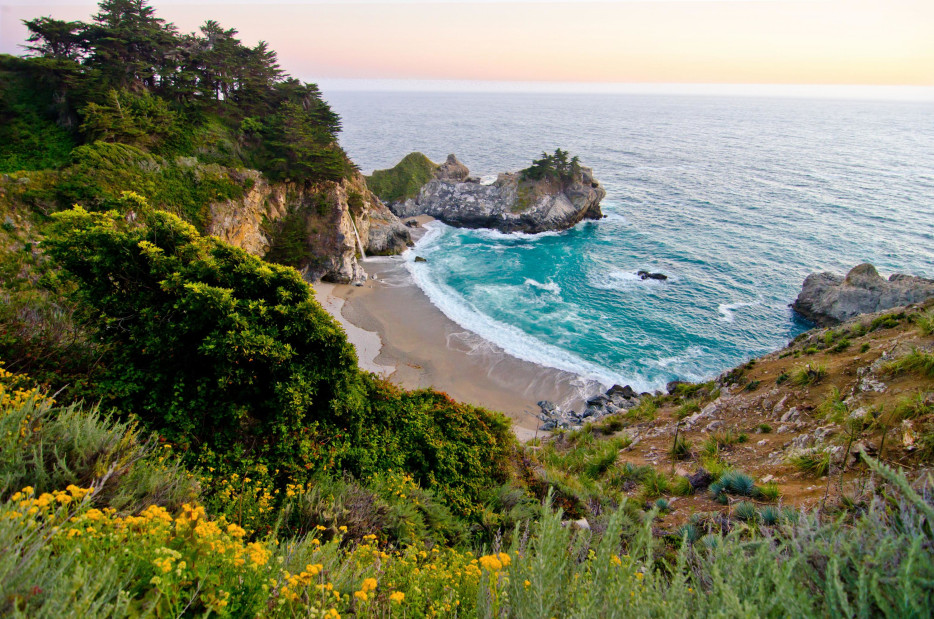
column 735, row 199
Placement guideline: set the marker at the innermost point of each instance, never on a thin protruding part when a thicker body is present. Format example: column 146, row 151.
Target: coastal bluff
column 322, row 229
column 513, row 202
column 827, row 299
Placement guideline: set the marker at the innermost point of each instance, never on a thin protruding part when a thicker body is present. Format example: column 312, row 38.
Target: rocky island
column 555, row 193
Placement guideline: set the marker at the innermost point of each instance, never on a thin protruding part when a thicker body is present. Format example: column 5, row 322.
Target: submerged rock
column 827, row 298
column 647, row 275
column 511, row 203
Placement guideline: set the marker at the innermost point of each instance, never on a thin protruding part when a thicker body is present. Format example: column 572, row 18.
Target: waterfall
column 359, row 244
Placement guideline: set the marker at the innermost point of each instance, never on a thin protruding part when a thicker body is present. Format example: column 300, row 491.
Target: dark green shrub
column 214, row 348
column 885, row 321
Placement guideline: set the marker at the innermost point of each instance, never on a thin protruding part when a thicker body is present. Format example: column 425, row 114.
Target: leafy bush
column 101, row 173
column 214, row 348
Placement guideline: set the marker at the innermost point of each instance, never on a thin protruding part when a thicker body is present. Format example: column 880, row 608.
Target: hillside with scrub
column 185, row 432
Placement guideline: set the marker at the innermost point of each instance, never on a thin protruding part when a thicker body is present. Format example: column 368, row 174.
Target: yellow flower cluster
column 495, row 562
column 45, row 506
column 12, row 397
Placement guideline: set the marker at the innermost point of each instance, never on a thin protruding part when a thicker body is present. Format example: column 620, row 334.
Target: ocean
column 735, row 199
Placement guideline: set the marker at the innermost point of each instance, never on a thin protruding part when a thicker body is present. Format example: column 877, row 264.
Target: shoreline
column 400, row 335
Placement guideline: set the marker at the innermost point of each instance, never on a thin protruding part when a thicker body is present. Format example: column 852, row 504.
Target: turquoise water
column 736, row 200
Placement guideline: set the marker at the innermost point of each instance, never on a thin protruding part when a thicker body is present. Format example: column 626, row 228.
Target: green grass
column 764, row 428
column 646, row 410
column 925, row 323
column 912, row 407
column 746, row 511
column 721, row 440
column 832, row 407
column 768, row 492
column 808, row 375
column 917, row 362
column 687, row 409
column 404, row 180
column 680, row 448
column 814, row 462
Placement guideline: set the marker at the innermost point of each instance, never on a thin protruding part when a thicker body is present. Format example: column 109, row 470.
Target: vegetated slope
column 788, row 427
column 127, row 103
column 403, row 180
column 112, row 526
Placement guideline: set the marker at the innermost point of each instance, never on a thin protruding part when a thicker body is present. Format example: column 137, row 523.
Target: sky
column 806, row 42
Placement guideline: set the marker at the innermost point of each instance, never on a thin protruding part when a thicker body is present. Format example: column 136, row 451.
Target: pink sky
column 887, row 42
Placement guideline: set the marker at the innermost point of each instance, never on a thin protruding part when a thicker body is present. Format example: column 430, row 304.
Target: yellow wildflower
column 397, row 597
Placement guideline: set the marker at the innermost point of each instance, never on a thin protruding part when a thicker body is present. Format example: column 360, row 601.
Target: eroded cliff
column 320, row 228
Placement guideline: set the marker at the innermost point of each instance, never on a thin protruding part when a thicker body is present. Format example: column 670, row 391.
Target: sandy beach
column 400, row 335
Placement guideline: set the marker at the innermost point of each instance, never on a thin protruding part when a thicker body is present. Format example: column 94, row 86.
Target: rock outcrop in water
column 828, row 299
column 313, row 227
column 512, row 203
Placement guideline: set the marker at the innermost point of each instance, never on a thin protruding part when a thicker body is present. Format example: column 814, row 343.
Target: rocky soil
column 825, row 398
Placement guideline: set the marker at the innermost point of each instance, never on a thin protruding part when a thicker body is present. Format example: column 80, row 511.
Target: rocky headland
column 514, row 202
column 828, row 298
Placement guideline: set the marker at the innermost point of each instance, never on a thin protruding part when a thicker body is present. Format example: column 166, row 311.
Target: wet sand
column 399, row 334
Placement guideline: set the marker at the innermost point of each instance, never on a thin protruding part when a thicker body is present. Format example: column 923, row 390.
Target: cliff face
column 314, row 227
column 509, row 204
column 827, row 298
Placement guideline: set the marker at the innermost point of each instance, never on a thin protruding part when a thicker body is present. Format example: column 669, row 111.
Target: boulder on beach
column 827, row 298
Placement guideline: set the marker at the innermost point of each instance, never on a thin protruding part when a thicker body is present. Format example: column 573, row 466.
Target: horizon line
column 872, row 92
